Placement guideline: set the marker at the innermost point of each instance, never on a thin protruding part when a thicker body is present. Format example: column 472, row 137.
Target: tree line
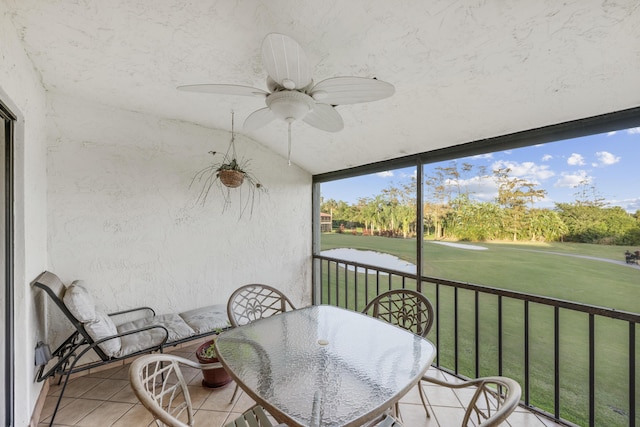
column 451, row 212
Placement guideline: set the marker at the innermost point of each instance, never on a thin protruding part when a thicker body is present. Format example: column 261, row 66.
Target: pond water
column 461, row 246
column 371, row 257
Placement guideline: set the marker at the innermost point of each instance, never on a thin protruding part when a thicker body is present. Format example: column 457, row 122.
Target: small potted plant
column 213, row 378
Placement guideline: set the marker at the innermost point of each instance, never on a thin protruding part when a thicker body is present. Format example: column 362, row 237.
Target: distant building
column 326, row 222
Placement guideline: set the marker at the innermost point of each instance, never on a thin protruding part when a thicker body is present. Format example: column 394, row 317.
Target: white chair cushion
column 103, row 327
column 177, row 328
column 79, row 302
column 206, row 319
column 140, row 341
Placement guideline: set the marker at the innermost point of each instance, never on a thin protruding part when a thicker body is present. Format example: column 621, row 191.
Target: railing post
column 455, row 329
column 526, row 353
column 337, row 286
column 438, row 322
column 592, row 371
column 419, row 221
column 328, row 282
column 346, row 285
column 500, row 366
column 632, row 374
column 477, row 332
column 320, row 282
column 556, row 362
column 366, row 286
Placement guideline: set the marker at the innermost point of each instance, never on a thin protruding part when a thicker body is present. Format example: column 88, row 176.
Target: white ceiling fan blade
column 351, row 90
column 285, row 61
column 258, row 118
column 324, row 117
column 225, row 89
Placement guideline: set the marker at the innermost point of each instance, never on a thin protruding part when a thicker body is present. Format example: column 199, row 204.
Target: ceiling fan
column 292, row 95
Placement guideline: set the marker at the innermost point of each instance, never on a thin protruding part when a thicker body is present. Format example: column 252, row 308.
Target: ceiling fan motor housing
column 290, row 105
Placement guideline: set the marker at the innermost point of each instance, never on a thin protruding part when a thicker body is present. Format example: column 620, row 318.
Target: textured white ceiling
column 463, row 70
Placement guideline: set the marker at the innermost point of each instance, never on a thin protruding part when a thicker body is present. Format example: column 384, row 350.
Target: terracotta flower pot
column 231, row 178
column 213, row 378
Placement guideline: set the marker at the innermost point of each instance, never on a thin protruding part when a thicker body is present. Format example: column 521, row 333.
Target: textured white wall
column 22, row 92
column 122, row 216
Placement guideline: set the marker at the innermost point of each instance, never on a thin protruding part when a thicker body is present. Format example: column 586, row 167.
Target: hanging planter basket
column 231, row 178
column 227, row 174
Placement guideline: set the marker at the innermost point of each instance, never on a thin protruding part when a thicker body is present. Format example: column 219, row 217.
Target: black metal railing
column 576, row 363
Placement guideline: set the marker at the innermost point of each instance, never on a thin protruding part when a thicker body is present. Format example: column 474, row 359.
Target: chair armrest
column 153, row 312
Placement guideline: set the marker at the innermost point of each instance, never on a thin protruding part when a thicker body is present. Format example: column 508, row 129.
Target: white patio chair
column 409, row 310
column 159, row 384
column 494, row 399
column 252, row 302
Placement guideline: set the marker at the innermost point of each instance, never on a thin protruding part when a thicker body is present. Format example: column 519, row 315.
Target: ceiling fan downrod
column 290, row 121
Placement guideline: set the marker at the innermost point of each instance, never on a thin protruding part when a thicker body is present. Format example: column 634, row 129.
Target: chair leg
column 235, row 392
column 423, row 397
column 396, row 411
column 55, row 411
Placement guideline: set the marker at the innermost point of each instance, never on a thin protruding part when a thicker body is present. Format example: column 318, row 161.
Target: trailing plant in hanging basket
column 228, row 174
column 229, row 177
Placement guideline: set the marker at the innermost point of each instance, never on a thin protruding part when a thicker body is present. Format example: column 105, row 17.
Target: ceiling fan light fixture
column 319, row 95
column 289, row 84
column 290, row 105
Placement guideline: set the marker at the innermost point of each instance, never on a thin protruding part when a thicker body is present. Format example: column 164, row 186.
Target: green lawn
column 526, row 268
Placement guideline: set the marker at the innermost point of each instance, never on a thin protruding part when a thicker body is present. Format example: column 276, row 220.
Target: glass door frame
column 8, row 120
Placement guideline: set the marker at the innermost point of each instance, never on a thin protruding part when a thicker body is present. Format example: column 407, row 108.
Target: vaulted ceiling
column 463, row 70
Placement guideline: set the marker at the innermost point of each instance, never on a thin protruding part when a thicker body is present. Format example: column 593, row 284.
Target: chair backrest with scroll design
column 158, row 383
column 405, row 308
column 252, row 302
column 494, row 399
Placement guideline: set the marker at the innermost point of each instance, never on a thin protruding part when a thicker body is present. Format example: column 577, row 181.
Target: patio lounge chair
column 158, row 383
column 97, row 332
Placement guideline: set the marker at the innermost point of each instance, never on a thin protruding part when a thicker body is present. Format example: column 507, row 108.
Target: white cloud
column 483, row 156
column 385, row 174
column 629, row 205
column 606, row 159
column 611, row 133
column 633, row 131
column 479, row 185
column 575, row 160
column 547, row 157
column 573, row 179
column 528, row 170
column 480, row 188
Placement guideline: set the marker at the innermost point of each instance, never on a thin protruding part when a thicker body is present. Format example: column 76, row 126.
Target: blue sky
column 610, row 163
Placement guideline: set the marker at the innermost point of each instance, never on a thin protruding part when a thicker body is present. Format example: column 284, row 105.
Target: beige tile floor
column 105, row 399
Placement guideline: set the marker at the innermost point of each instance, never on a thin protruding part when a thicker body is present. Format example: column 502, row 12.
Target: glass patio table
column 324, row 365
